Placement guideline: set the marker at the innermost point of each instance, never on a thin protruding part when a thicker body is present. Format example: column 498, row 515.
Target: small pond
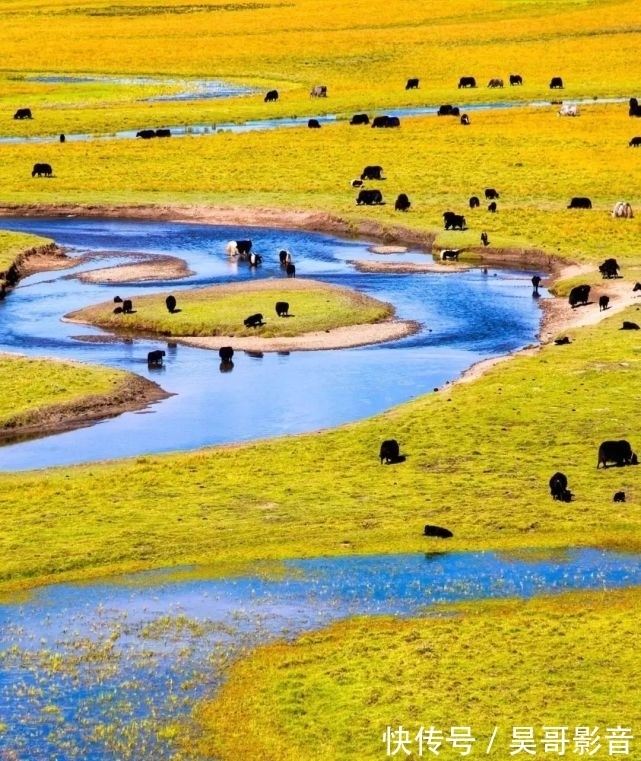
column 94, row 671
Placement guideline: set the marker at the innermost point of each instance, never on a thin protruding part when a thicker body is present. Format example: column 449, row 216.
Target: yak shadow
column 396, row 460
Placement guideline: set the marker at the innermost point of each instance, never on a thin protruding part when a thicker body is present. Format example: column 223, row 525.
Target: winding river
column 465, row 317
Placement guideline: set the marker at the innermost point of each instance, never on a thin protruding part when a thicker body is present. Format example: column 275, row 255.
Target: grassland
column 220, row 311
column 479, row 454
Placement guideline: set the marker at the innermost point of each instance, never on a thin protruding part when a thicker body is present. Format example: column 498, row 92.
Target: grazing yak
column 369, row 197
column 282, row 308
column 412, row 83
column 445, row 110
column 634, row 108
column 374, row 172
column 170, row 303
column 453, row 221
column 359, row 119
column 253, row 321
column 42, row 170
column 291, row 270
column 619, row 496
column 491, row 193
column 240, row 248
column 496, row 82
column 474, row 202
column 627, row 325
column 154, row 358
column 393, row 121
column 318, row 91
column 226, row 353
column 23, row 113
column 622, row 209
column 127, row 306
column 603, row 302
column 380, row 121
column 465, row 120
column 255, row 259
column 146, row 134
column 438, row 531
column 62, row 138
column 580, row 202
column 284, row 257
column 466, row 82
column 313, row 123
column 579, row 295
column 271, row 96
column 484, row 239
column 609, row 268
column 356, row 183
column 556, row 83
column 491, row 207
column 389, row 451
column 619, row 452
column 402, row 203
column 163, row 132
column 562, row 341
column 635, row 142
column 559, row 487
column 516, row 79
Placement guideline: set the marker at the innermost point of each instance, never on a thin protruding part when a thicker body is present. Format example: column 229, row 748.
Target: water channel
column 465, row 317
column 95, row 671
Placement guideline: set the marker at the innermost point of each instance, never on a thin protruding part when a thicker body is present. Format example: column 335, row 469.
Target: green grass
column 220, row 311
column 331, row 695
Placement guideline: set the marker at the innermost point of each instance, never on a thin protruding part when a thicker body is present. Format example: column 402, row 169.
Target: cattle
column 634, row 108
column 579, row 295
column 359, row 119
column 536, row 282
column 40, row 170
column 318, row 91
column 313, row 124
column 491, row 193
column 580, row 202
column 163, row 132
column 393, row 121
column 226, row 353
column 62, row 138
column 466, row 82
column 637, row 287
column 444, row 110
column 154, row 358
column 492, row 207
column 516, row 79
column 374, row 172
column 619, row 496
column 402, row 203
column 127, row 306
column 635, row 142
column 619, row 452
column 23, row 113
column 284, row 257
column 453, row 221
column 474, row 202
column 253, row 321
column 117, row 300
column 627, row 325
column 622, row 209
column 450, row 254
column 437, row 531
column 146, row 134
column 291, row 270
column 556, row 83
column 456, row 111
column 255, row 259
column 389, row 451
column 380, row 121
column 412, row 83
column 271, row 96
column 369, row 197
column 465, row 120
column 609, row 268
column 559, row 487
column 484, row 239
column 240, row 248
column 282, row 308
column 496, row 82
column 562, row 341
column 170, row 303
column 356, row 183
column 569, row 110
column 603, row 302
